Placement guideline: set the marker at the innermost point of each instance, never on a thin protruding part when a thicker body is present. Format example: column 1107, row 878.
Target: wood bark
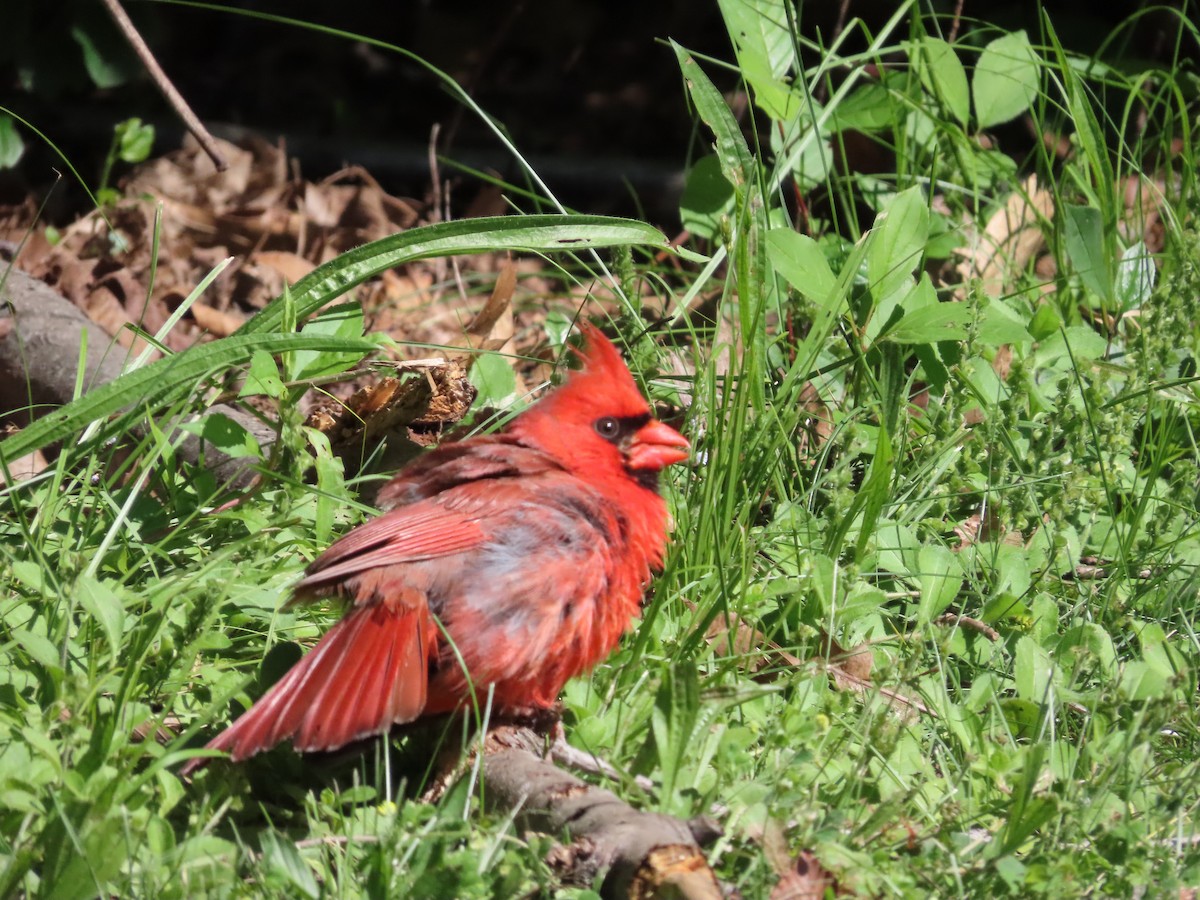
column 639, row 855
column 41, row 334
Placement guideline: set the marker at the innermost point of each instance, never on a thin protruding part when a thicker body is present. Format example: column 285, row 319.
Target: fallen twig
column 639, row 854
column 190, row 119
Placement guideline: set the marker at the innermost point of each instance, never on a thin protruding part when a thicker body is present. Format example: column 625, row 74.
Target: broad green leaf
column 1033, row 671
column 1005, row 80
column 107, row 61
column 1081, row 105
column 1084, row 236
column 940, row 578
column 673, row 720
column 872, row 497
column 11, row 145
column 998, row 324
column 1092, row 640
column 943, row 76
column 708, row 197
column 1142, row 681
column 39, row 648
column 736, row 162
column 535, row 234
column 1045, row 322
column 897, row 241
column 344, row 321
column 760, row 33
column 798, row 258
column 226, row 435
column 930, row 324
column 263, row 377
column 103, row 604
column 762, row 41
column 870, row 107
column 280, row 856
column 493, row 377
column 135, row 140
column 1136, row 274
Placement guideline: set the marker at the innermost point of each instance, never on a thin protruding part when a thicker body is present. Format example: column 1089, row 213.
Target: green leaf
column 1136, row 274
column 494, row 379
column 896, row 243
column 760, row 33
column 708, row 197
column 998, row 324
column 1045, row 322
column 930, row 324
column 1005, row 80
column 103, row 604
column 673, row 720
column 798, row 258
column 874, row 494
column 870, row 107
column 1084, row 236
column 262, row 380
column 943, row 76
column 134, row 140
column 106, row 61
column 1033, row 671
column 736, row 162
column 940, row 580
column 762, row 40
column 543, row 233
column 1142, row 681
column 226, row 435
column 11, row 145
column 343, row 321
column 39, row 648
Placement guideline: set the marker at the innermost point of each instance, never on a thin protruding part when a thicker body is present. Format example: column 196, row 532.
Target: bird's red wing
column 425, row 530
column 367, row 673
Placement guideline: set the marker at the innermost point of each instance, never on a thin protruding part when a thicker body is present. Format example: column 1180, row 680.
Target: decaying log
column 640, row 855
column 41, row 334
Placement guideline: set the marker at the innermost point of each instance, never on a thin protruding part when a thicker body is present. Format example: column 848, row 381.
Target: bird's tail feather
column 367, row 673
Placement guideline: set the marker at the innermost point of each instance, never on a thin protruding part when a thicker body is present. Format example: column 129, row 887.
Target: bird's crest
column 603, row 372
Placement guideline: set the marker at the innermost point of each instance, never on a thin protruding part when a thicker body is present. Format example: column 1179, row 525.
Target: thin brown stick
column 955, row 620
column 190, row 119
column 956, row 23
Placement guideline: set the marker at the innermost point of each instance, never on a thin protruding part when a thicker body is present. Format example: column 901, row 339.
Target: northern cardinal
column 512, row 561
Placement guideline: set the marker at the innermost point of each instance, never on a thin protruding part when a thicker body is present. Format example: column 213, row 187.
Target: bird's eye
column 608, row 428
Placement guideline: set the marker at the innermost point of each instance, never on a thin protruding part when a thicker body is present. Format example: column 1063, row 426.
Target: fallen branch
column 639, row 854
column 41, row 334
column 159, row 77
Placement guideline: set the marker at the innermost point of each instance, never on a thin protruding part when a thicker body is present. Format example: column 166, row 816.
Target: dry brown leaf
column 290, row 266
column 800, row 878
column 807, row 879
column 24, row 467
column 817, row 425
column 482, row 329
column 214, row 321
column 851, row 671
column 439, row 397
column 1001, row 253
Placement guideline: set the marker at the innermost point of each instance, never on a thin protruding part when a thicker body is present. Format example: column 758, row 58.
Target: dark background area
column 588, row 89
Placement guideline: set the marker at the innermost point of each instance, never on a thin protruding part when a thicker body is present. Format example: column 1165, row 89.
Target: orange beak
column 655, row 446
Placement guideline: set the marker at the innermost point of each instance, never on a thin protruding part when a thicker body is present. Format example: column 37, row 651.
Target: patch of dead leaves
column 260, row 211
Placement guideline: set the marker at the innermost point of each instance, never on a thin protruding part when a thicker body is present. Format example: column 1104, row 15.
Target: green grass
column 1055, row 755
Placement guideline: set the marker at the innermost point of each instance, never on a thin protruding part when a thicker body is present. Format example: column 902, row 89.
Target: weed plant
column 982, row 481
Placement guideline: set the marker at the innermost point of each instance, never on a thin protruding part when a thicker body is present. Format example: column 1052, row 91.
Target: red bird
column 512, row 561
